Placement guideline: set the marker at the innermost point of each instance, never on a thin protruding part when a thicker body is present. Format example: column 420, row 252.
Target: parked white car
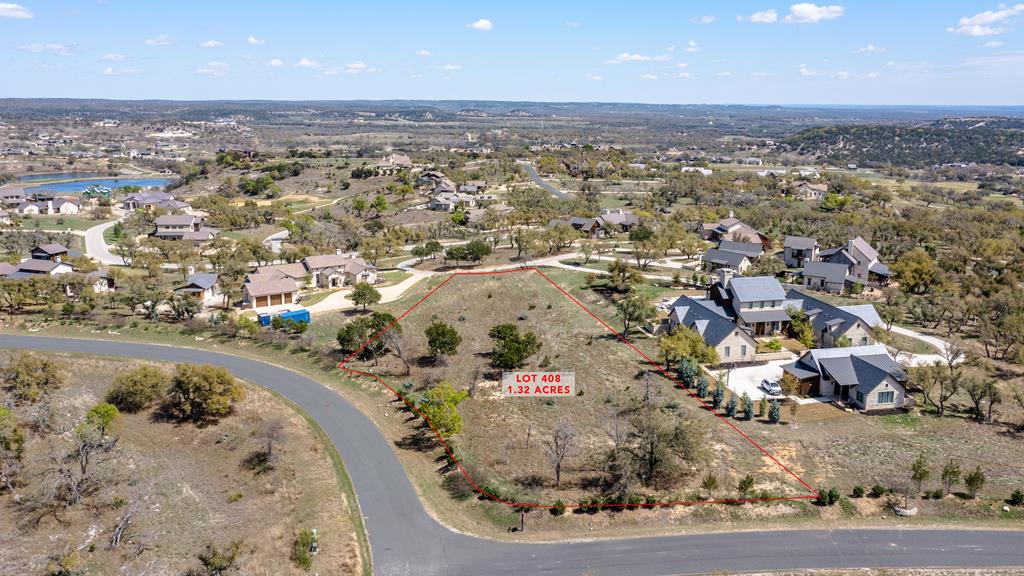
column 771, row 387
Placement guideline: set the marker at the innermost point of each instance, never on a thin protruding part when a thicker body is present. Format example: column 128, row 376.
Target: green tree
column 745, row 485
column 442, row 339
column 359, row 205
column 476, row 250
column 512, row 348
column 356, row 334
column 974, row 481
column 440, row 408
column 633, row 309
column 774, row 412
column 684, row 343
column 380, row 204
column 204, row 392
column 102, row 416
column 709, row 484
column 748, row 407
column 916, row 271
column 622, row 277
column 950, row 475
column 29, row 376
column 800, row 326
column 138, row 389
column 365, row 295
column 919, row 471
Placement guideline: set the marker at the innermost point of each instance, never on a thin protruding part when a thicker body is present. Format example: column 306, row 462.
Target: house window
column 886, row 397
column 860, row 396
column 743, row 350
column 863, row 340
column 727, row 350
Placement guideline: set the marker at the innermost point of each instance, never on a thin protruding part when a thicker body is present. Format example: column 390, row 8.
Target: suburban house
column 392, row 164
column 830, row 323
column 5, row 217
column 33, row 266
column 864, row 376
column 589, row 226
column 430, row 178
column 265, row 291
column 749, row 249
column 697, row 169
column 445, row 186
column 150, row 199
column 478, row 214
column 12, row 197
column 183, row 227
column 449, row 201
column 861, row 260
column 808, row 191
column 202, row 286
column 54, row 252
column 798, row 250
column 618, row 219
column 102, row 281
column 715, row 326
column 716, row 259
column 295, row 271
column 756, row 304
column 472, row 187
column 733, row 229
column 827, row 277
column 337, row 270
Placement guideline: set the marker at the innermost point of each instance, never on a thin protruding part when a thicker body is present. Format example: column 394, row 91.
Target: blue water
column 56, row 176
column 79, row 186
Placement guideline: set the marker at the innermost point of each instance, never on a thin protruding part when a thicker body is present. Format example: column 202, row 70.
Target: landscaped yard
column 60, row 222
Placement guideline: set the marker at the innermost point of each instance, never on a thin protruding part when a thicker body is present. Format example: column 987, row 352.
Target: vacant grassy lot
column 77, row 222
column 191, row 484
column 504, row 439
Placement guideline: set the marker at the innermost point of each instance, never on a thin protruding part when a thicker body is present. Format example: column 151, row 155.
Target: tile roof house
column 864, row 376
column 718, row 330
column 798, row 250
column 266, row 291
column 830, row 323
column 392, row 164
column 861, row 259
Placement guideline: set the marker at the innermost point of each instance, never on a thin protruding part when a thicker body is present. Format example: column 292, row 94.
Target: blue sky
column 745, row 52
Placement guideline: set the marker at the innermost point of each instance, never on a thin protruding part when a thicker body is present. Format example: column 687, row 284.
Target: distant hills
column 946, row 141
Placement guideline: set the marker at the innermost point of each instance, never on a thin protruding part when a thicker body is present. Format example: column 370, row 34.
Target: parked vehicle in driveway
column 771, row 387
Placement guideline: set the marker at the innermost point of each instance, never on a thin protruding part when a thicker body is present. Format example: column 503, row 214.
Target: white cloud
column 111, row 71
column 708, row 19
column 452, row 67
column 572, row 24
column 358, row 67
column 872, row 75
column 723, row 74
column 981, row 24
column 423, row 53
column 870, row 48
column 807, row 13
column 628, row 57
column 114, row 57
column 683, row 75
column 692, row 46
column 648, row 77
column 48, row 48
column 307, row 63
column 213, row 69
column 761, row 75
column 805, row 71
column 993, row 44
column 764, row 17
column 594, row 77
column 255, row 41
column 212, row 44
column 682, row 64
column 841, row 75
column 161, row 40
column 275, row 63
column 482, row 24
column 16, row 11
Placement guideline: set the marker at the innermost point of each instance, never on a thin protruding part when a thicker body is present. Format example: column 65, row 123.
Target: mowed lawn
column 503, row 438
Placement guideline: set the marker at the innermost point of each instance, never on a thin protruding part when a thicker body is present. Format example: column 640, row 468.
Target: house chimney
column 849, row 246
column 732, row 214
column 49, row 206
column 337, row 251
column 57, row 260
column 191, row 270
column 725, row 276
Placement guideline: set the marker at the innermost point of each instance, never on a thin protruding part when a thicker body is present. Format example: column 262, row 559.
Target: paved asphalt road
column 406, row 541
column 97, row 248
column 542, row 182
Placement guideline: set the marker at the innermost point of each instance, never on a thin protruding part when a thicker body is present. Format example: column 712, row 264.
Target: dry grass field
column 189, row 485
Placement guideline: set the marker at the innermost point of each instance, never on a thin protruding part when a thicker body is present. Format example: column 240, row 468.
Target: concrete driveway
column 748, row 378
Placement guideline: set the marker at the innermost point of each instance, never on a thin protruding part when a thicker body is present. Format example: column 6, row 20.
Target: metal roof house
column 864, row 376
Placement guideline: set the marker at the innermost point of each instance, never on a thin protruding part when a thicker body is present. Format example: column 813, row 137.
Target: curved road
column 405, row 540
column 96, row 247
column 542, row 182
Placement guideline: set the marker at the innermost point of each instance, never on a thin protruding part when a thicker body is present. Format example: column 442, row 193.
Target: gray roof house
column 862, row 260
column 798, row 250
column 827, row 277
column 756, row 304
column 831, row 323
column 714, row 325
column 749, row 249
column 618, row 218
column 200, row 285
column 864, row 376
column 715, row 259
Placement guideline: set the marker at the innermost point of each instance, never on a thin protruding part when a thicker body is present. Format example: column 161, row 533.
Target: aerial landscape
column 576, row 289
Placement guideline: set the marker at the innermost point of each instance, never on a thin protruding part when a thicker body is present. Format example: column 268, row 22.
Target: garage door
column 262, row 301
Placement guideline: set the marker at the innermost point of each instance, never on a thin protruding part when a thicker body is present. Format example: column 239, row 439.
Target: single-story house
column 715, row 259
column 589, row 226
column 864, row 376
column 66, row 206
column 49, row 267
column 54, row 252
column 618, row 219
column 200, row 285
column 734, row 229
column 102, row 281
column 337, row 270
column 749, row 249
column 831, row 323
column 147, row 199
column 449, row 201
column 264, row 292
column 798, row 250
column 808, row 191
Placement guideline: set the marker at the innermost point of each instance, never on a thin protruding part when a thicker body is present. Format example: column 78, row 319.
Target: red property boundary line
column 658, row 367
